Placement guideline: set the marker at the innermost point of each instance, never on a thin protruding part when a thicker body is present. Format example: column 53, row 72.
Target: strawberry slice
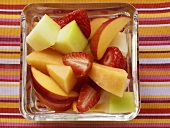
column 113, row 57
column 80, row 62
column 81, row 17
column 88, row 97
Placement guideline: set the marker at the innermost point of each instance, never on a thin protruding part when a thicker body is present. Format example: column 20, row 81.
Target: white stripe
column 155, row 91
column 9, row 82
column 159, row 46
column 154, row 25
column 154, row 61
column 9, row 61
column 4, row 90
column 158, row 83
column 152, row 9
column 9, row 26
column 10, row 47
column 11, row 114
column 9, row 10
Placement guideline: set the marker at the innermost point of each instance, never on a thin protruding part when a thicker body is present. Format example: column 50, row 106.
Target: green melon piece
column 44, row 34
column 123, row 104
column 70, row 39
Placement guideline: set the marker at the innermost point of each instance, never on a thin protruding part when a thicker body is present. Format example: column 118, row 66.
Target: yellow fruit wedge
column 39, row 59
column 63, row 75
column 110, row 79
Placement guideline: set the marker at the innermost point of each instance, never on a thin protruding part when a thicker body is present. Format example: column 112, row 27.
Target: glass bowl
column 30, row 107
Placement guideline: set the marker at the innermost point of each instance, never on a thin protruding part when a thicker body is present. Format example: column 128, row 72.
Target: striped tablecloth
column 154, row 59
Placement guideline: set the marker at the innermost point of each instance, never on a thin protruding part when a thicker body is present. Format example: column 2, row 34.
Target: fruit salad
column 79, row 64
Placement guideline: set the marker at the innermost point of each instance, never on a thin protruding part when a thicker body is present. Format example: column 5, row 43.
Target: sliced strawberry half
column 88, row 97
column 80, row 62
column 113, row 57
column 81, row 18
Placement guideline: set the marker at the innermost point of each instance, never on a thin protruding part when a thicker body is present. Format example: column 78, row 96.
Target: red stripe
column 155, row 111
column 8, row 6
column 10, row 13
column 12, row 116
column 13, row 39
column 155, row 66
column 9, row 110
column 155, row 22
column 9, row 80
column 152, row 5
column 10, row 66
column 151, row 44
column 9, row 44
column 9, row 23
column 154, row 80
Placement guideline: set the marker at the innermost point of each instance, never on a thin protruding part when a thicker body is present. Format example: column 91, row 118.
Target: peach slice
column 59, row 107
column 46, row 86
column 95, row 24
column 105, row 34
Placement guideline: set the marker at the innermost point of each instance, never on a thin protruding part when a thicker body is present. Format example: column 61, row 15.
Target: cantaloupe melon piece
column 110, row 79
column 63, row 75
column 39, row 59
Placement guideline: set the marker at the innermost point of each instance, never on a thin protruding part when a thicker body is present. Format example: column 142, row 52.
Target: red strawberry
column 80, row 62
column 88, row 97
column 81, row 17
column 113, row 57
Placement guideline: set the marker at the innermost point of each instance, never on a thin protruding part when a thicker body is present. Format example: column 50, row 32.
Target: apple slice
column 70, row 39
column 63, row 75
column 105, row 34
column 46, row 86
column 39, row 59
column 120, row 42
column 95, row 24
column 110, row 79
column 44, row 34
column 58, row 107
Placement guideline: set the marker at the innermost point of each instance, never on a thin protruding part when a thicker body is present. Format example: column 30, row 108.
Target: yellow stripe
column 9, row 105
column 12, row 73
column 10, row 85
column 154, row 30
column 157, row 15
column 154, row 85
column 10, row 31
column 160, row 96
column 155, row 73
column 10, row 50
column 78, row 1
column 155, row 105
column 9, row 96
column 154, row 55
column 154, row 49
column 8, row 16
column 12, row 56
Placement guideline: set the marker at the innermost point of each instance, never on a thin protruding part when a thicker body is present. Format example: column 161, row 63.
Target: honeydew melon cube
column 70, row 39
column 44, row 34
column 124, row 104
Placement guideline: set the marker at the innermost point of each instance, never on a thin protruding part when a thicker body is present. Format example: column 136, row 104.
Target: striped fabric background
column 154, row 59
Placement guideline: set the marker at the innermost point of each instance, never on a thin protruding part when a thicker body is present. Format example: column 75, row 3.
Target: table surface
column 154, row 54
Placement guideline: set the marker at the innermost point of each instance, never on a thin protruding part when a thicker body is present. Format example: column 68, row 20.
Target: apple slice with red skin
column 58, row 107
column 46, row 86
column 105, row 34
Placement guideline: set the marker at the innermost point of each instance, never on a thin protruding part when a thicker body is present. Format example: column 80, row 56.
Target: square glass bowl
column 30, row 107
